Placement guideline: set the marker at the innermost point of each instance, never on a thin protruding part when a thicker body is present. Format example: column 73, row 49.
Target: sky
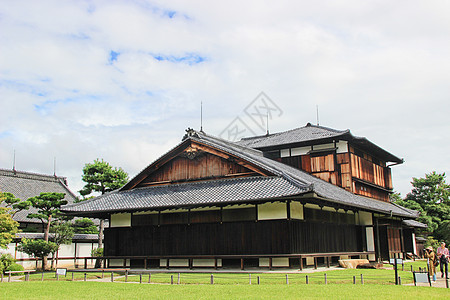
column 122, row 80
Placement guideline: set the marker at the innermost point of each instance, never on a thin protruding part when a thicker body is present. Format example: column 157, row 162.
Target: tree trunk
column 47, row 230
column 98, row 262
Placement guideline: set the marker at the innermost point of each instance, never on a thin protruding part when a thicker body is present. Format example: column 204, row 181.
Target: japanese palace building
column 267, row 201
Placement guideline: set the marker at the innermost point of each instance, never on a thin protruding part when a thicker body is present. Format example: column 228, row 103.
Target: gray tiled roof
column 310, row 133
column 221, row 191
column 77, row 237
column 414, row 223
column 285, row 181
column 25, row 185
column 297, row 135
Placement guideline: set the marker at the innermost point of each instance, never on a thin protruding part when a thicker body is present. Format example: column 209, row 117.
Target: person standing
column 429, row 253
column 443, row 255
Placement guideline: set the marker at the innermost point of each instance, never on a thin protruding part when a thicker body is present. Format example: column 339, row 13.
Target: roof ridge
column 31, row 175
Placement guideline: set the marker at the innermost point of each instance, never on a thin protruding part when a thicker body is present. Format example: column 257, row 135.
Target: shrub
column 5, row 261
column 97, row 252
column 15, row 267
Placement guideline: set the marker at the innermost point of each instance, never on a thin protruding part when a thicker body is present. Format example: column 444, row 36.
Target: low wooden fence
column 105, row 260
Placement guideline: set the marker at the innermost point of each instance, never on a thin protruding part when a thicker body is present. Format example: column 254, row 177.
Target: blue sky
column 121, row 80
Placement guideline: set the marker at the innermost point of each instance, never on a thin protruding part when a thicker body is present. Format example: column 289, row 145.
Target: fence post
column 42, row 276
column 399, row 280
column 85, row 274
column 171, row 279
column 103, row 274
column 212, row 279
column 362, row 279
column 149, row 277
column 126, row 275
column 140, row 278
column 72, row 276
column 9, row 277
column 258, row 279
column 411, row 268
column 179, row 279
column 287, row 279
column 112, row 276
column 2, row 276
column 249, row 278
column 354, row 279
column 326, row 282
column 307, row 279
column 57, row 277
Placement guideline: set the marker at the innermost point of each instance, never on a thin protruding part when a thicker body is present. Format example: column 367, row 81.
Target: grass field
column 105, row 290
column 378, row 284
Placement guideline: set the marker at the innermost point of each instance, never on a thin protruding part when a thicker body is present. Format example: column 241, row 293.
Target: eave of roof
column 311, row 134
column 148, row 197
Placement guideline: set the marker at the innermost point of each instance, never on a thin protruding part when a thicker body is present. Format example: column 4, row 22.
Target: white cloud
column 379, row 68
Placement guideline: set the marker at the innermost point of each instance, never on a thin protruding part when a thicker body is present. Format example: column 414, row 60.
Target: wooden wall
column 234, row 238
column 341, row 169
column 204, row 166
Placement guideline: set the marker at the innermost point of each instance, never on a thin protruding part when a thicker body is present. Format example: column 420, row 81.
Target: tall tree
column 101, row 177
column 431, row 197
column 14, row 203
column 47, row 205
column 62, row 234
column 8, row 227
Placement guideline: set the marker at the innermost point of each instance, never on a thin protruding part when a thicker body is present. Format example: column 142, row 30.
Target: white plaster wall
column 323, row 146
column 310, row 261
column 175, row 262
column 297, row 210
column 313, row 206
column 276, row 262
column 300, row 151
column 284, row 153
column 342, row 147
column 414, row 243
column 271, row 211
column 204, row 262
column 120, row 220
column 118, row 263
column 365, row 218
column 83, row 249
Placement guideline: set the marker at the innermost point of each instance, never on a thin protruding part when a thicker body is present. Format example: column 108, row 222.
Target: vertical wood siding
column 234, row 238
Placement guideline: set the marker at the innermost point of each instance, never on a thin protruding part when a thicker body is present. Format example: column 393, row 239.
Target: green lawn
column 105, row 290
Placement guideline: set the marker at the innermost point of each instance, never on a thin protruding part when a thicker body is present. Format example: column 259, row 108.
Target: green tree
column 38, row 248
column 85, row 226
column 8, row 227
column 14, row 203
column 431, row 197
column 101, row 177
column 62, row 234
column 47, row 205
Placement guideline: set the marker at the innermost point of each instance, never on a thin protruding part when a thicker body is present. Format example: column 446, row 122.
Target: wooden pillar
column 288, row 209
column 215, row 263
column 270, row 263
column 75, row 265
column 301, row 263
column 145, row 263
column 315, row 262
column 85, row 263
column 242, row 264
column 124, row 262
column 402, row 243
column 328, row 261
column 167, row 263
column 190, row 262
